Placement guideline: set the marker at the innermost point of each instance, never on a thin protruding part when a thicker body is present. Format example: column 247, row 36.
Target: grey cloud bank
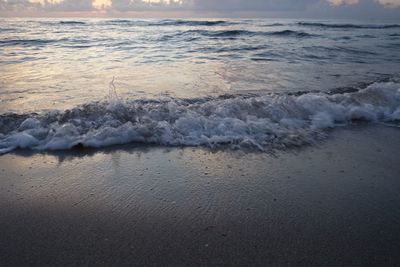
column 284, row 8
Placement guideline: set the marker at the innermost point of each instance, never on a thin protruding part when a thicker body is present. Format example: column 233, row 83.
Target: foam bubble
column 261, row 122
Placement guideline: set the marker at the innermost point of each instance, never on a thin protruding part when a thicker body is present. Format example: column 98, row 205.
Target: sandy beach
column 336, row 203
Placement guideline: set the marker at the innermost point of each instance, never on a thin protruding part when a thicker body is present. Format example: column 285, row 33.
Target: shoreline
column 335, row 203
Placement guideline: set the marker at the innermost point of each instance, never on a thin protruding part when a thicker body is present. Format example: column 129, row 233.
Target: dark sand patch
column 335, row 204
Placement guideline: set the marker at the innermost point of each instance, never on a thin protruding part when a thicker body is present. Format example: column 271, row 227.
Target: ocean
column 259, row 84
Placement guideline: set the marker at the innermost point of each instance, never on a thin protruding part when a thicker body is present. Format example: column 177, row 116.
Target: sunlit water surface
column 54, row 63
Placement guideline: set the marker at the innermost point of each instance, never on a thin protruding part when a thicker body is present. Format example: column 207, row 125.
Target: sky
column 351, row 9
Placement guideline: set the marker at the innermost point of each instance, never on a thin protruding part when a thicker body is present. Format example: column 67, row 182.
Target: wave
column 59, row 22
column 172, row 22
column 235, row 33
column 367, row 36
column 195, row 23
column 261, row 122
column 349, row 26
column 224, row 33
column 7, row 29
column 71, row 22
column 25, row 42
column 339, row 50
column 291, row 33
column 274, row 25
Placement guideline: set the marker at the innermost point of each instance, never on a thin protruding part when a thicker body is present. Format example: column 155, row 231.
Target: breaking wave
column 262, row 122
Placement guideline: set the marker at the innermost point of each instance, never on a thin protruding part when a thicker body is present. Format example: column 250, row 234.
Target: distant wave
column 6, row 29
column 340, row 49
column 60, row 23
column 72, row 22
column 233, row 33
column 260, row 121
column 349, row 26
column 25, row 42
column 274, row 25
column 224, row 33
column 172, row 22
column 369, row 36
column 291, row 33
column 196, row 22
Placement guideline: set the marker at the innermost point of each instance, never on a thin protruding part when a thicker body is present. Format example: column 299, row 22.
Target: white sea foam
column 261, row 122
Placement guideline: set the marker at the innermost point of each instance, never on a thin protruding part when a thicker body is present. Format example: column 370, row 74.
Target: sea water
column 258, row 83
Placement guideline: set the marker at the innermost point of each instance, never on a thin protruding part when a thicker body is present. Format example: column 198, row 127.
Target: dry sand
column 337, row 203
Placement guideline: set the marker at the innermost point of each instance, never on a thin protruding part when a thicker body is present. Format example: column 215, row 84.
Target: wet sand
column 336, row 203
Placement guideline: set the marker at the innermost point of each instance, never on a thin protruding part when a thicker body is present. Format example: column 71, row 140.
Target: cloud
column 101, row 4
column 385, row 3
column 140, row 5
column 6, row 5
column 316, row 8
column 46, row 5
column 69, row 5
column 44, row 2
column 389, row 3
column 253, row 5
column 343, row 2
